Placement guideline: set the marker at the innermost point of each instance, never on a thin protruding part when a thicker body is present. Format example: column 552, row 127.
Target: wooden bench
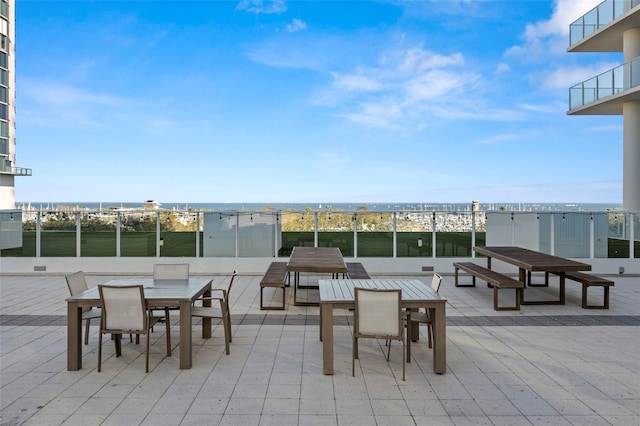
column 588, row 280
column 275, row 277
column 491, row 277
column 356, row 271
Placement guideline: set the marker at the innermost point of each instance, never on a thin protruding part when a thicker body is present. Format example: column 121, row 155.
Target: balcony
column 606, row 93
column 600, row 30
column 15, row 171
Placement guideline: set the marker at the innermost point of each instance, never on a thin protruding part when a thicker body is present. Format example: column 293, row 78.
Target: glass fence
column 598, row 17
column 609, row 83
column 400, row 234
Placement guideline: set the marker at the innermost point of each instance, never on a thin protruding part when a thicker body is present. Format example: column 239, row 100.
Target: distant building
column 613, row 26
column 8, row 168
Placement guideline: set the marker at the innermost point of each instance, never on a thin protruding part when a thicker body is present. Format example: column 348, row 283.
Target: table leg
column 74, row 334
column 327, row 337
column 439, row 339
column 562, row 288
column 185, row 335
column 206, row 322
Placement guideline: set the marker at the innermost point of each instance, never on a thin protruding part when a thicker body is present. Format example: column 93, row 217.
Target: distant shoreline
column 374, row 207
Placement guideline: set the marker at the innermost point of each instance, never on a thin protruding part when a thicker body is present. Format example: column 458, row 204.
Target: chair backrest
column 171, row 271
column 233, row 275
column 435, row 282
column 378, row 312
column 124, row 308
column 76, row 283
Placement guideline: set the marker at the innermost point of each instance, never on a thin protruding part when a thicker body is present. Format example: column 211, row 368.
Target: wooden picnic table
column 529, row 261
column 314, row 259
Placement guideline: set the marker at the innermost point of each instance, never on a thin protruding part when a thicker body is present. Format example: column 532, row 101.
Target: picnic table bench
column 496, row 279
column 275, row 277
column 588, row 280
column 356, row 271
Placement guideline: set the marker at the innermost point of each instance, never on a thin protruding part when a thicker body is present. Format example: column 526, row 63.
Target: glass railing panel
column 257, row 234
column 635, row 218
column 219, row 234
column 178, row 234
column 453, row 234
column 17, row 234
column 335, row 229
column 414, row 234
column 98, row 234
column 605, row 84
column 138, row 234
column 375, row 234
column 599, row 17
column 618, row 235
column 297, row 230
column 58, row 236
column 572, row 235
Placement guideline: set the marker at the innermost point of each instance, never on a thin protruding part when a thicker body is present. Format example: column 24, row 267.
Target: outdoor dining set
column 384, row 309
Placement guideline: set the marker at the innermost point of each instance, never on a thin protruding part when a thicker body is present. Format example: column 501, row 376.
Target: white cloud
column 296, row 25
column 266, row 7
column 501, row 138
column 551, row 36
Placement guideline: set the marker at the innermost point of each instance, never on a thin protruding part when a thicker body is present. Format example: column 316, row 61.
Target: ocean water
column 320, row 206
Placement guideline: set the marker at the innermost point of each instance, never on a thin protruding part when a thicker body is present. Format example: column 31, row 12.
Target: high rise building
column 613, row 26
column 8, row 168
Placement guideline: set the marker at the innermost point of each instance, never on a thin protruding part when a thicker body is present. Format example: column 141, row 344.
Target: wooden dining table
column 158, row 294
column 339, row 294
column 529, row 261
column 322, row 260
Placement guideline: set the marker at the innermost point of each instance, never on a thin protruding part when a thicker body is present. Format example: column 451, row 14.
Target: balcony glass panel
column 138, row 234
column 58, row 236
column 599, row 17
column 375, row 234
column 335, row 229
column 98, row 234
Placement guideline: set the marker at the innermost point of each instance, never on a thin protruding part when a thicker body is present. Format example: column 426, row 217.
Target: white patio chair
column 77, row 283
column 221, row 312
column 378, row 314
column 124, row 310
column 420, row 317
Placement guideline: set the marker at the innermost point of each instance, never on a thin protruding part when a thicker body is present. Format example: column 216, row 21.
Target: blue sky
column 308, row 101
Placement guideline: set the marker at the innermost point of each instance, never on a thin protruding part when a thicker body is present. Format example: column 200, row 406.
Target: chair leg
column 99, row 351
column 86, row 331
column 429, row 333
column 118, row 343
column 389, row 351
column 226, row 326
column 404, row 355
column 228, row 320
column 146, row 365
column 354, row 355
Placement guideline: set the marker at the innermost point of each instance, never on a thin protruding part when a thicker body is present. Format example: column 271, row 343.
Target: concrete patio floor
column 542, row 365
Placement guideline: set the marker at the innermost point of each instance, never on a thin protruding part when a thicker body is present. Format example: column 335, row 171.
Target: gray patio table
column 158, row 293
column 339, row 294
